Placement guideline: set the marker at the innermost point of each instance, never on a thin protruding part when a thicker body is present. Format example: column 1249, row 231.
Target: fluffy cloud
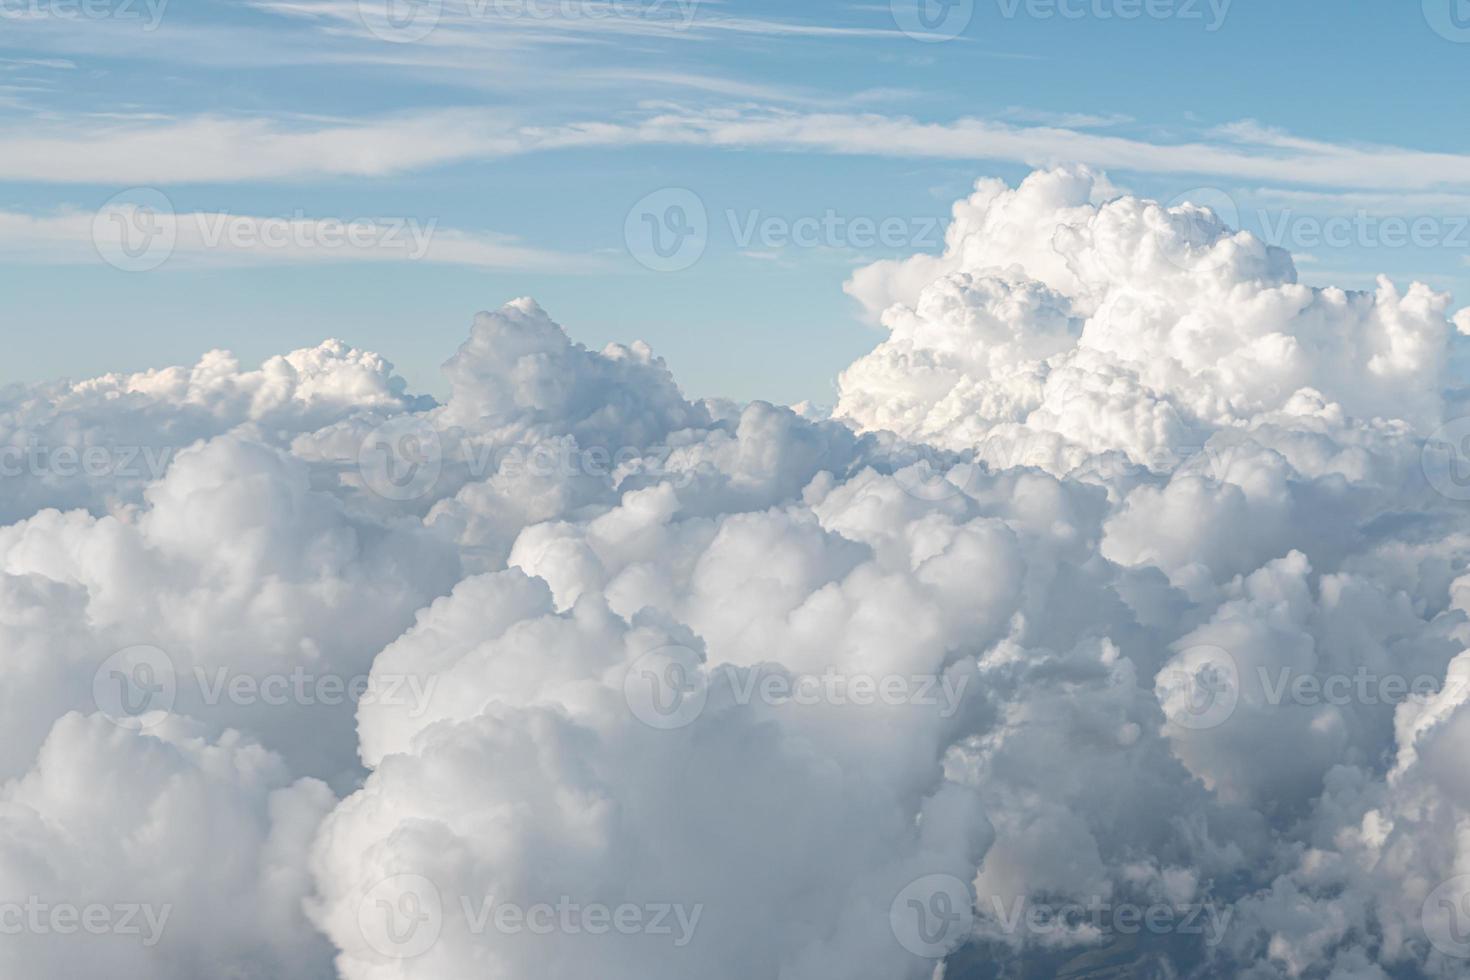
column 98, row 443
column 1053, row 330
column 163, row 855
column 1128, row 577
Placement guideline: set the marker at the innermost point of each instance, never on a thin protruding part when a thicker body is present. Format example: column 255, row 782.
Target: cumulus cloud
column 1117, row 618
column 1053, row 330
column 165, row 855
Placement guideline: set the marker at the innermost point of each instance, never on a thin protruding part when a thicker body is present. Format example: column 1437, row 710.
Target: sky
column 490, row 149
column 1126, row 580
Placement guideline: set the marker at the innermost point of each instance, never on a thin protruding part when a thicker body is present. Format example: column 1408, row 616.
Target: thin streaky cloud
column 208, row 149
column 688, row 21
column 1394, row 203
column 1317, row 163
column 1065, row 120
column 213, row 149
column 222, row 239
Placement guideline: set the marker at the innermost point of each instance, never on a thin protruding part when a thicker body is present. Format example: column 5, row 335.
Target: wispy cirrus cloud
column 205, row 149
column 457, row 21
column 1251, row 154
column 137, row 240
column 210, row 149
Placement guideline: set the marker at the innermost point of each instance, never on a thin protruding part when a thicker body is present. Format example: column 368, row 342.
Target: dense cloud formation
column 1119, row 617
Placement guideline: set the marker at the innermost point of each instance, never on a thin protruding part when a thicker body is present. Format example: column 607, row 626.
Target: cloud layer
column 1127, row 576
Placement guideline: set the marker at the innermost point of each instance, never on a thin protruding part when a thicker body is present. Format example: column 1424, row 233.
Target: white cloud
column 214, row 149
column 204, row 149
column 156, row 237
column 1031, row 613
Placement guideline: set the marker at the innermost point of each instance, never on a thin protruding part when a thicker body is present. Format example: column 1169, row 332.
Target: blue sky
column 517, row 135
